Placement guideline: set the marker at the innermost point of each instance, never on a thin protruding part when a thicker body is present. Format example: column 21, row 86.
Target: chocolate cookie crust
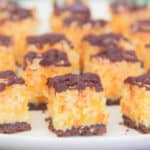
column 132, row 124
column 71, row 81
column 105, row 40
column 111, row 102
column 14, row 127
column 41, row 106
column 117, row 55
column 98, row 129
column 142, row 81
column 51, row 38
column 122, row 7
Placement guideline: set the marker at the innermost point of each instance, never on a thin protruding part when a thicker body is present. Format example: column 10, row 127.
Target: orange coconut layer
column 113, row 74
column 73, row 108
column 135, row 104
column 14, row 105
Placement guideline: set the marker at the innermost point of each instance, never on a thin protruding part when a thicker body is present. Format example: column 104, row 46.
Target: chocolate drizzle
column 141, row 26
column 50, row 57
column 140, row 81
column 121, row 7
column 9, row 78
column 116, row 55
column 71, row 81
column 84, row 21
column 78, row 9
column 54, row 57
column 14, row 11
column 104, row 40
column 5, row 40
column 51, row 38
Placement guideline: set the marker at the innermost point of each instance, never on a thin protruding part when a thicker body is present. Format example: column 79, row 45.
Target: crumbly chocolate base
column 113, row 102
column 98, row 129
column 14, row 127
column 42, row 106
column 132, row 124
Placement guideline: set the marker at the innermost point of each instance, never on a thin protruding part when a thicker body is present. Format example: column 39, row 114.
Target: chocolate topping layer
column 116, row 55
column 96, row 129
column 14, row 11
column 50, row 57
column 54, row 57
column 141, row 26
column 71, row 81
column 10, row 79
column 122, row 7
column 78, row 9
column 51, row 38
column 5, row 40
column 104, row 40
column 84, row 21
column 140, row 81
column 147, row 45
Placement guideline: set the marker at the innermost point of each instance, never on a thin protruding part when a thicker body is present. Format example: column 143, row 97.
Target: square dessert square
column 14, row 116
column 76, row 105
column 7, row 58
column 41, row 43
column 38, row 67
column 123, row 13
column 93, row 43
column 77, row 8
column 139, row 33
column 135, row 102
column 114, row 65
column 17, row 22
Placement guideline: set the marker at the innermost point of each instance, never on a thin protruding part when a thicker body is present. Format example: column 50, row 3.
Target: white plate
column 117, row 137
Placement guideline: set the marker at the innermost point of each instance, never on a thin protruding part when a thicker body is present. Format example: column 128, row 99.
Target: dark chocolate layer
column 71, row 81
column 84, row 21
column 132, row 124
column 105, row 40
column 117, row 55
column 5, row 40
column 51, row 38
column 10, row 79
column 78, row 9
column 113, row 102
column 140, row 81
column 48, row 58
column 97, row 129
column 123, row 7
column 14, row 127
column 41, row 106
column 14, row 11
column 141, row 26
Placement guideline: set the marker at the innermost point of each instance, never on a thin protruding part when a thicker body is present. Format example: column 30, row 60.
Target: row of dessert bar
column 75, row 70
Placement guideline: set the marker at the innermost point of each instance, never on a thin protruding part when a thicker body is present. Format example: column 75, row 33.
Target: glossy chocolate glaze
column 72, row 81
column 142, row 81
column 122, row 7
column 10, row 79
column 141, row 26
column 105, row 40
column 50, row 38
column 50, row 57
column 117, row 55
